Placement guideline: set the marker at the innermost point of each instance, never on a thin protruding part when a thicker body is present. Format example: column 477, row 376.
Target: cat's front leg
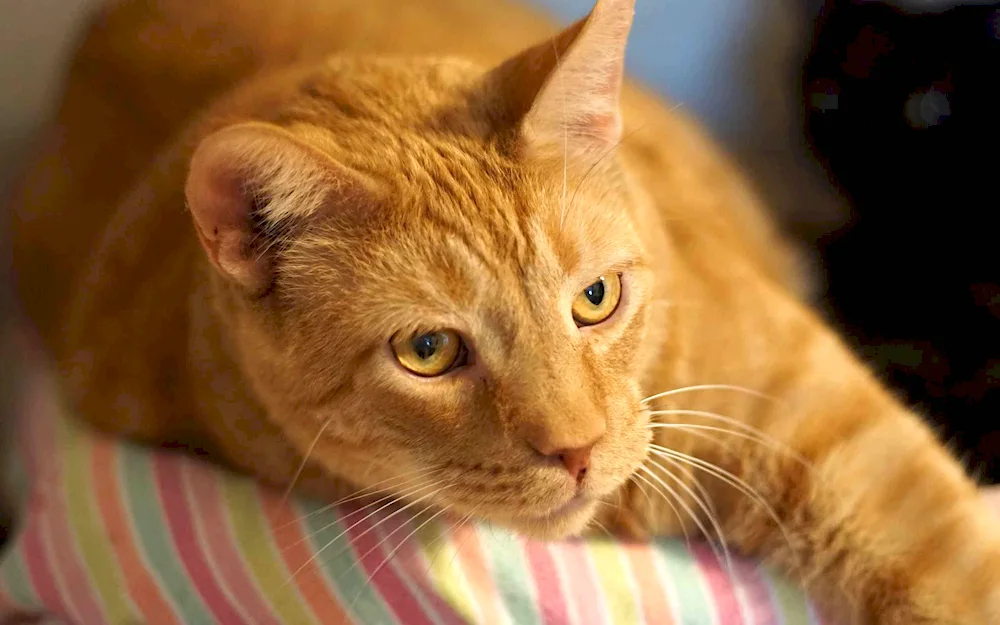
column 842, row 487
column 862, row 505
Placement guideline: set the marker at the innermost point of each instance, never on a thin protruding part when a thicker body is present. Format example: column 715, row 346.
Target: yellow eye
column 598, row 301
column 430, row 354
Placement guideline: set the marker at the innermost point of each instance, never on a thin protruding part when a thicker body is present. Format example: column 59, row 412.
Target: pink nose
column 575, row 460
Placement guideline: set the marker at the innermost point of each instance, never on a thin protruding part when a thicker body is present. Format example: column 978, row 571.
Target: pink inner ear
column 221, row 210
column 577, row 108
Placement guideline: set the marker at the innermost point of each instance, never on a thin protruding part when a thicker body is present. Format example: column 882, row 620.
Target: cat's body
column 339, row 204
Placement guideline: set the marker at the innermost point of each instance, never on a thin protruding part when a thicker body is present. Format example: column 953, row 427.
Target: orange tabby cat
column 310, row 243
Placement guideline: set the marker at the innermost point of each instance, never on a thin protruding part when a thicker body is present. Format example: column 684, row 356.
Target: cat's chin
column 568, row 520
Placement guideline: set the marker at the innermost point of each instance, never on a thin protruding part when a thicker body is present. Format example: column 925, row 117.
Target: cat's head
column 434, row 274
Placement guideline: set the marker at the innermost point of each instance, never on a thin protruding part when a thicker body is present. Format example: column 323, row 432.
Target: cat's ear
column 252, row 184
column 565, row 91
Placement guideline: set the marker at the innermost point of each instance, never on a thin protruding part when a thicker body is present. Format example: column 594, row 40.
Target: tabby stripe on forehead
column 510, row 569
column 144, row 590
column 694, row 600
column 439, row 549
column 136, row 473
column 78, row 588
column 173, row 497
column 91, row 535
column 225, row 558
column 292, row 548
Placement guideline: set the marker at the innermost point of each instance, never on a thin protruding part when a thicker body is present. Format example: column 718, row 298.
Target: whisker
column 379, row 522
column 305, row 460
column 602, row 528
column 712, row 519
column 694, row 517
column 666, row 499
column 391, row 553
column 607, row 153
column 365, row 492
column 732, row 480
column 750, row 433
column 709, row 387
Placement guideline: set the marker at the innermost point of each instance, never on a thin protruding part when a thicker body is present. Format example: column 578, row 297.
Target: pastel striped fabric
column 116, row 534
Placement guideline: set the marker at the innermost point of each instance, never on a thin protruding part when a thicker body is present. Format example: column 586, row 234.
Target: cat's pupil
column 595, row 293
column 425, row 345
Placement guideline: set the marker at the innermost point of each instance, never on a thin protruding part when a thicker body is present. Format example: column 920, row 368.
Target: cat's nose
column 576, row 460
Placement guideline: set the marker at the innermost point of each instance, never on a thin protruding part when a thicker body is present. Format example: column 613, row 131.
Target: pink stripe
column 409, row 560
column 36, row 560
column 388, row 584
column 551, row 603
column 584, row 589
column 757, row 593
column 292, row 542
column 207, row 502
column 37, row 564
column 178, row 517
column 80, row 595
column 716, row 575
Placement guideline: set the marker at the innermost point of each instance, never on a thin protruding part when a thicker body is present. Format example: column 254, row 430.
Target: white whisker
column 391, row 553
column 709, row 387
column 379, row 522
column 365, row 492
column 305, row 460
column 694, row 517
column 713, row 521
column 750, row 433
column 730, row 479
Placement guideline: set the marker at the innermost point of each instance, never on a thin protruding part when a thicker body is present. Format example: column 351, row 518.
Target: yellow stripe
column 76, row 448
column 262, row 558
column 446, row 570
column 619, row 593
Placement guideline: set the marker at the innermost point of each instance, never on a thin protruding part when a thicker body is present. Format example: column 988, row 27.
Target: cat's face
column 471, row 335
column 460, row 315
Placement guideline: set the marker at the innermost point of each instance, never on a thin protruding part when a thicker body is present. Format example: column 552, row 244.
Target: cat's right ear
column 251, row 186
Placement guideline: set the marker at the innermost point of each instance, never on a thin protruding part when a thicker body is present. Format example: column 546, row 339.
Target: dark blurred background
column 872, row 128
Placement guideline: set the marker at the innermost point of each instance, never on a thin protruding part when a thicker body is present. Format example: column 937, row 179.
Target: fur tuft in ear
column 250, row 184
column 565, row 92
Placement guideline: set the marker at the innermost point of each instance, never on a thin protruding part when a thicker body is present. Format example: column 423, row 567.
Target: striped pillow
column 113, row 533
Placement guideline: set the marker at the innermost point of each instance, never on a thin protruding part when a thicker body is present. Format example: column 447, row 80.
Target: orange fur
column 344, row 187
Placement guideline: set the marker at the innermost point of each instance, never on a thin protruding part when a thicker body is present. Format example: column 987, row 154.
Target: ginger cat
column 351, row 237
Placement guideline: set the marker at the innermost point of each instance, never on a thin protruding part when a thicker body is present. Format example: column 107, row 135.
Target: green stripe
column 91, row 539
column 510, row 573
column 445, row 570
column 340, row 564
column 619, row 592
column 15, row 580
column 679, row 563
column 790, row 601
column 263, row 558
column 135, row 472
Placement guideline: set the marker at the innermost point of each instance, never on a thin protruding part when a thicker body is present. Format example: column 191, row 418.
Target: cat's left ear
column 565, row 92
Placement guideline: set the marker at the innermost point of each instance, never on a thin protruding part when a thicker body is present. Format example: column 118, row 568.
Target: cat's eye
column 431, row 354
column 598, row 301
